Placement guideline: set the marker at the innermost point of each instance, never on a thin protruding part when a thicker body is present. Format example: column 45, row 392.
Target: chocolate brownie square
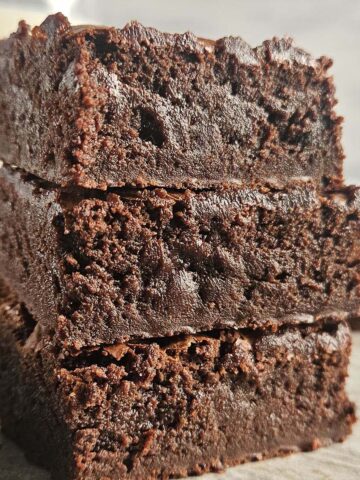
column 98, row 107
column 97, row 267
column 161, row 409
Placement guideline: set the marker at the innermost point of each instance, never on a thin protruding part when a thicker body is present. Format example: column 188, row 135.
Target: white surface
column 337, row 462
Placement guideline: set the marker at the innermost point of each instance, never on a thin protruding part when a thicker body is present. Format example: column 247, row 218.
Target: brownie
column 97, row 267
column 355, row 322
column 172, row 407
column 97, row 107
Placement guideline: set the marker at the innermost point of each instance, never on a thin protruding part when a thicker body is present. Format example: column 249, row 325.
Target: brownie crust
column 161, row 409
column 100, row 268
column 99, row 107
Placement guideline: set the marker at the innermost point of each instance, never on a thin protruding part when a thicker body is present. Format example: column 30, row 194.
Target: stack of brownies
column 179, row 254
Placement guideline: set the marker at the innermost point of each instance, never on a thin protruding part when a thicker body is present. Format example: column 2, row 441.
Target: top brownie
column 98, row 107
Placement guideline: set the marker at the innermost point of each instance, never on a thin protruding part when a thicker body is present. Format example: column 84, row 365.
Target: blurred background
column 323, row 27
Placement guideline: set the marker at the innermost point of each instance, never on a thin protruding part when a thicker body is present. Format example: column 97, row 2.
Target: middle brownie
column 100, row 267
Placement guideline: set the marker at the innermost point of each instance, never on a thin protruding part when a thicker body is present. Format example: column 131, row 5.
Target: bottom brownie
column 174, row 407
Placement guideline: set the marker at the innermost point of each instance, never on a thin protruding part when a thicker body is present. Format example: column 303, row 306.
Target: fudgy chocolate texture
column 109, row 266
column 169, row 408
column 98, row 107
column 106, row 267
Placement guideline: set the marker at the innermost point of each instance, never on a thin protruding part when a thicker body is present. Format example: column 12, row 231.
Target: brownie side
column 355, row 322
column 100, row 268
column 98, row 107
column 173, row 407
